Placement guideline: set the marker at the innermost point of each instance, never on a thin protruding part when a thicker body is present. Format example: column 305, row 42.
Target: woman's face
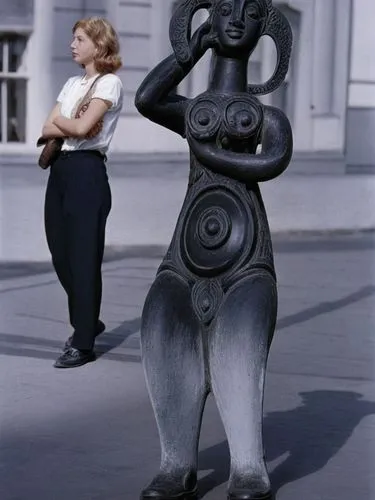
column 83, row 48
column 238, row 25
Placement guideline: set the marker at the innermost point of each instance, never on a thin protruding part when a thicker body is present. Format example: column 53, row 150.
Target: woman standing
column 78, row 196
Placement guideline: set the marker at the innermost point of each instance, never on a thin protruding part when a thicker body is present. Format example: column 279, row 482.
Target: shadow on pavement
column 42, row 348
column 22, row 345
column 325, row 307
column 310, row 434
column 118, row 336
column 107, row 455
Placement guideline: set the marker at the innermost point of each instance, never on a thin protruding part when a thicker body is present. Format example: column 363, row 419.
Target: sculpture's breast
column 226, row 119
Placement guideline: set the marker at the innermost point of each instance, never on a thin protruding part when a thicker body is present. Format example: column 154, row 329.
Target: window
column 13, row 87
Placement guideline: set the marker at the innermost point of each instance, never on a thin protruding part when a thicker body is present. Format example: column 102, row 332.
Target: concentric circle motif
column 203, row 119
column 242, row 117
column 218, row 228
column 213, row 227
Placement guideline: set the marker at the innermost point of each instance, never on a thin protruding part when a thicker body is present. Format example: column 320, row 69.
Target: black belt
column 96, row 152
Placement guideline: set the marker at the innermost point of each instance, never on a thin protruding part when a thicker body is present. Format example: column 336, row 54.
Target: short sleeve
column 65, row 90
column 109, row 88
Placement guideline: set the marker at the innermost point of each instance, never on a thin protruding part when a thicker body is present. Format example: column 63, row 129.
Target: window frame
column 6, row 76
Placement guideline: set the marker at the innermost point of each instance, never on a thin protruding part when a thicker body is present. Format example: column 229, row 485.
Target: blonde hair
column 105, row 39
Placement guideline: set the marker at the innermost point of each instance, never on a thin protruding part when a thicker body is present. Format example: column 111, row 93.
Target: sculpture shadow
column 118, row 336
column 310, row 435
column 325, row 307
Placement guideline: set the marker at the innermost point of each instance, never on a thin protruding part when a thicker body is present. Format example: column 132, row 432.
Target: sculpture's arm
column 156, row 100
column 277, row 148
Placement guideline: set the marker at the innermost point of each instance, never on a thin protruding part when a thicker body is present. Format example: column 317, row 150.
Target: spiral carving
column 213, row 227
column 217, row 231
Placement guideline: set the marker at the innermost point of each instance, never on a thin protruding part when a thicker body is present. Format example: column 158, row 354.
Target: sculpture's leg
column 238, row 351
column 173, row 360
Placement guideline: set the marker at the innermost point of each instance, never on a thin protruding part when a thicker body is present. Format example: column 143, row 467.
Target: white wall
column 321, row 54
column 360, row 134
column 362, row 74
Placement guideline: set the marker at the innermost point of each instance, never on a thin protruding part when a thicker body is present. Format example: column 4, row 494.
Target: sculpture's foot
column 250, row 489
column 172, row 486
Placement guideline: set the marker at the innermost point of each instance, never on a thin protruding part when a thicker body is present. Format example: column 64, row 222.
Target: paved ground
column 89, row 433
column 146, row 203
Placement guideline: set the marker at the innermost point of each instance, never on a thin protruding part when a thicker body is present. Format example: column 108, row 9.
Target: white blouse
column 109, row 88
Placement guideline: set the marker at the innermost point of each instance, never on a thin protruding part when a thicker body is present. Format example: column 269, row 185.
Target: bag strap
column 79, row 105
column 86, row 98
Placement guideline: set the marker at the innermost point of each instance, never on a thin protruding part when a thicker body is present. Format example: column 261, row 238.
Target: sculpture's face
column 239, row 25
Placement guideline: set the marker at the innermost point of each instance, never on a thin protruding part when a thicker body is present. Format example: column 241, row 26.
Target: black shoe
column 253, row 492
column 172, row 487
column 99, row 329
column 71, row 358
column 244, row 494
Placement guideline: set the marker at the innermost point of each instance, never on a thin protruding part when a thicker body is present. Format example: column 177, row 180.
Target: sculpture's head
column 236, row 26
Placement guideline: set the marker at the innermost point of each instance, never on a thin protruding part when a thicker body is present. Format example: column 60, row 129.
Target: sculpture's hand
column 202, row 40
column 156, row 98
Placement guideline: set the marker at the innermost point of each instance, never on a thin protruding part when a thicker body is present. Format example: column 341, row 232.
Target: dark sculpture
column 209, row 317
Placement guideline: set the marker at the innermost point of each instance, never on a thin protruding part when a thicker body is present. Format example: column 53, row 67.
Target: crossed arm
column 57, row 125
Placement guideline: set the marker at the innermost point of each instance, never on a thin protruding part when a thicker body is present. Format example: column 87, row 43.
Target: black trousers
column 77, row 204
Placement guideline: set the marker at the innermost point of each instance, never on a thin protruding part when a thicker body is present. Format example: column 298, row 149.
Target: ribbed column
column 40, row 99
column 323, row 58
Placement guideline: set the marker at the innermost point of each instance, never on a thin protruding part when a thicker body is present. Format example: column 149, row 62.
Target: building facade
column 328, row 95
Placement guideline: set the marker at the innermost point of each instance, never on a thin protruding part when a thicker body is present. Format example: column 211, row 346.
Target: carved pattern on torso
column 222, row 232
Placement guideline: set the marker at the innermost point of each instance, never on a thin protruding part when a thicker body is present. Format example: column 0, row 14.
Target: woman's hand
column 81, row 127
column 49, row 128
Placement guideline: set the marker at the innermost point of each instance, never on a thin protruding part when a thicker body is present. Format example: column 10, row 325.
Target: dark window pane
column 16, row 50
column 16, row 110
